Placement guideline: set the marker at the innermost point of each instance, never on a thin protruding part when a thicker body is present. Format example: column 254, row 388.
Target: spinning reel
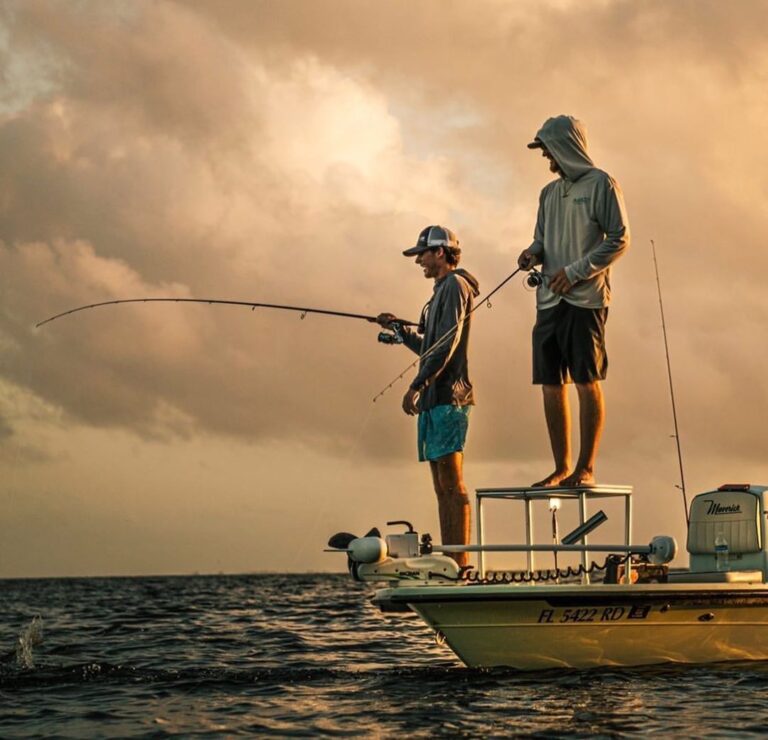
column 393, row 335
column 534, row 278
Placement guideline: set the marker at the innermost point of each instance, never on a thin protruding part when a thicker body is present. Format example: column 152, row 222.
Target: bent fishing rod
column 252, row 305
column 534, row 279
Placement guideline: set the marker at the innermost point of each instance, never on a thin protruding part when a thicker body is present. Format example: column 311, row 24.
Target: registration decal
column 638, row 612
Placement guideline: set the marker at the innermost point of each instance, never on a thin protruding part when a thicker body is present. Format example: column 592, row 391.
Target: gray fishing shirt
column 443, row 377
column 582, row 223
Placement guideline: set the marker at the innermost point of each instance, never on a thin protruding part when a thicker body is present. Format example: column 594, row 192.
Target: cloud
column 287, row 153
column 242, row 150
column 138, row 201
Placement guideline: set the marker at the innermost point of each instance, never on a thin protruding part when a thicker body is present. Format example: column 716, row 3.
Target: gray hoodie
column 443, row 377
column 582, row 222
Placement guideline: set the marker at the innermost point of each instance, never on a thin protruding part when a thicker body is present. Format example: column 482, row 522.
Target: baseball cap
column 431, row 237
column 536, row 144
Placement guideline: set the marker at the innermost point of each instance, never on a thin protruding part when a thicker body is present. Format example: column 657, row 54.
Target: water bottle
column 721, row 552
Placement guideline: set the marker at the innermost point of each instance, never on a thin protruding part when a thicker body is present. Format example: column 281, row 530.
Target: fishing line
column 671, row 387
column 325, row 506
column 534, row 279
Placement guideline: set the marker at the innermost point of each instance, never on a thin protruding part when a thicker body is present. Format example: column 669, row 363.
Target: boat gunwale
column 564, row 595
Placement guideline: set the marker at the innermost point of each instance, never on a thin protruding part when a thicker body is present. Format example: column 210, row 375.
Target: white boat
column 633, row 611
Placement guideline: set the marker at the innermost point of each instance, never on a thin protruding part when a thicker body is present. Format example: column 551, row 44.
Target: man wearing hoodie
column 581, row 229
column 441, row 393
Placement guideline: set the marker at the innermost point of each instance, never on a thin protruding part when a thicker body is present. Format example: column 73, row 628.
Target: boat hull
column 540, row 627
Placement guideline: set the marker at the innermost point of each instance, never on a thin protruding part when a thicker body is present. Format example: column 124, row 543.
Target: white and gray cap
column 431, row 238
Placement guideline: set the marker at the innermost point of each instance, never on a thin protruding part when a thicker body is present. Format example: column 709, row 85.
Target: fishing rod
column 534, row 279
column 253, row 306
column 671, row 387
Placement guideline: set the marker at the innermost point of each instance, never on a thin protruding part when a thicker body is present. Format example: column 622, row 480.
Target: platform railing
column 528, row 495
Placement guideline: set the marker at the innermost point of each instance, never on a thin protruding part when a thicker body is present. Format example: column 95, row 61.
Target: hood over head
column 565, row 137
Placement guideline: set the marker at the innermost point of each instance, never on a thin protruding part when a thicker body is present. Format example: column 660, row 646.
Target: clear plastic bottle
column 721, row 552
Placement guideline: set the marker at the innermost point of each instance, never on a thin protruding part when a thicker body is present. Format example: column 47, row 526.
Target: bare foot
column 553, row 479
column 578, row 478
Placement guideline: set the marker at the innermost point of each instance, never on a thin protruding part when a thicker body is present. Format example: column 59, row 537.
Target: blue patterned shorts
column 442, row 430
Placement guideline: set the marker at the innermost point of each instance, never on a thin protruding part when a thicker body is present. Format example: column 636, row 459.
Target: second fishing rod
column 534, row 279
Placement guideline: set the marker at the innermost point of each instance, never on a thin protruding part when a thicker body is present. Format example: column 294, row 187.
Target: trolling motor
column 394, row 558
column 392, row 335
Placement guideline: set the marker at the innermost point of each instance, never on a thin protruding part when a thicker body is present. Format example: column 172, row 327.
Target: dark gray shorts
column 569, row 345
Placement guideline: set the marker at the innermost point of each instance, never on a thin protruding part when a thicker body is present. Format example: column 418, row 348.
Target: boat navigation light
column 555, row 504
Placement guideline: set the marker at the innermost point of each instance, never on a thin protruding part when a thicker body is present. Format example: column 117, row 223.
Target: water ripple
column 309, row 656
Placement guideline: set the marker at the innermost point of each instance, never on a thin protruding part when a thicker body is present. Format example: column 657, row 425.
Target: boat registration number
column 591, row 614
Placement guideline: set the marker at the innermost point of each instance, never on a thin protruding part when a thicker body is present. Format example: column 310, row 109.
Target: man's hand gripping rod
column 449, row 334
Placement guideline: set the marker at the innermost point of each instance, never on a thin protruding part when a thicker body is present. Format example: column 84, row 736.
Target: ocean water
column 307, row 655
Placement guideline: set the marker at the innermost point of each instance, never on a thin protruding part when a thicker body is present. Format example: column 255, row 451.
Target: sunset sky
column 288, row 152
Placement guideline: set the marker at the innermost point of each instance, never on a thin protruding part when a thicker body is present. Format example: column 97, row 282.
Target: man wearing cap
column 441, row 393
column 581, row 229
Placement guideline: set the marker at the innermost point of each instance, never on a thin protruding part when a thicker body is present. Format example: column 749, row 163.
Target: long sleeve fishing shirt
column 443, row 377
column 582, row 222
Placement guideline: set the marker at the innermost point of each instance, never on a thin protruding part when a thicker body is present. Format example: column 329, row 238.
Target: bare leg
column 591, row 420
column 439, row 494
column 558, row 415
column 452, row 502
